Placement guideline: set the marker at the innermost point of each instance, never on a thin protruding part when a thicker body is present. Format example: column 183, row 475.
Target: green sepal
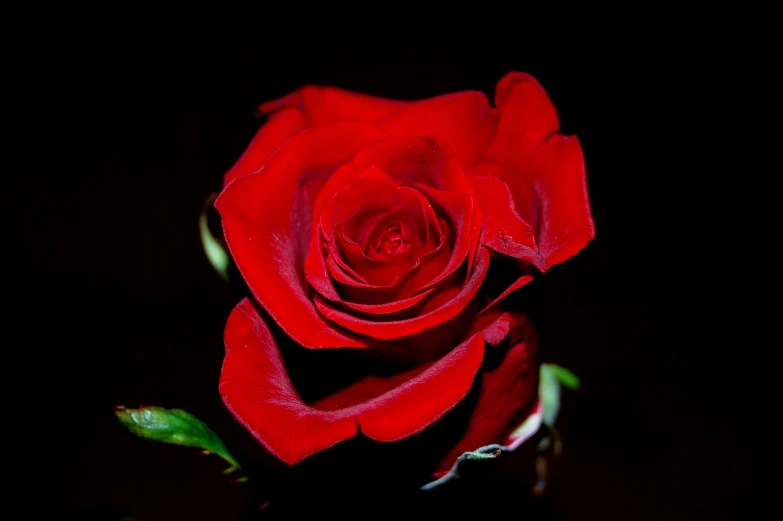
column 482, row 453
column 565, row 377
column 551, row 377
column 176, row 427
column 216, row 253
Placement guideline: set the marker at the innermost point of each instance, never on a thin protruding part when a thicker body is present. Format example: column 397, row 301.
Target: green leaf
column 565, row 377
column 176, row 427
column 216, row 253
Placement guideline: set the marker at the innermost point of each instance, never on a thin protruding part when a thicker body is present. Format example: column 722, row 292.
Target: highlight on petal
column 267, row 219
column 256, row 388
column 507, row 393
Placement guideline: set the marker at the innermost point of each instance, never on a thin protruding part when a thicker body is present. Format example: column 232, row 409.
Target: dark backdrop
column 118, row 141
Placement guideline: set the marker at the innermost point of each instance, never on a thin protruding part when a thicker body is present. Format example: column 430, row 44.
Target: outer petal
column 507, row 392
column 280, row 127
column 463, row 121
column 527, row 117
column 503, row 230
column 267, row 220
column 550, row 194
column 566, row 222
column 543, row 169
column 323, row 105
column 257, row 390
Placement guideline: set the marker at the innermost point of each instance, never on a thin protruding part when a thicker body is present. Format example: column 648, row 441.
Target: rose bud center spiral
column 391, row 242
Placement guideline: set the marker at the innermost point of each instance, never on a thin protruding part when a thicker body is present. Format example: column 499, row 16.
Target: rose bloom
column 369, row 225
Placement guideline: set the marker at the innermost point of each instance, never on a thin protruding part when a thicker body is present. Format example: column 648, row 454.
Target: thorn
column 229, row 470
column 205, row 452
column 243, row 479
column 119, row 407
column 496, row 452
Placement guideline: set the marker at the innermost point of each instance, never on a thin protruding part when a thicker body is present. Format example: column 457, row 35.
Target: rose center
column 391, row 242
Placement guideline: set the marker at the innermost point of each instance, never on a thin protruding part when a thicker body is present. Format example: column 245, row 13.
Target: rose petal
column 370, row 191
column 494, row 326
column 544, row 170
column 461, row 211
column 315, row 265
column 372, row 311
column 566, row 223
column 280, row 127
column 436, row 249
column 527, row 117
column 411, row 160
column 404, row 159
column 267, row 219
column 257, row 390
column 507, row 392
column 321, row 105
column 504, row 231
column 550, row 194
column 463, row 121
column 325, row 264
column 380, row 281
column 402, row 328
column 421, row 160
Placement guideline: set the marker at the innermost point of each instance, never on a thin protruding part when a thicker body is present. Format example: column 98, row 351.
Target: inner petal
column 390, row 244
column 403, row 208
column 387, row 238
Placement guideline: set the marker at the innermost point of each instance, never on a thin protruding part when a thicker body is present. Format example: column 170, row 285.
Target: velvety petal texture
column 256, row 388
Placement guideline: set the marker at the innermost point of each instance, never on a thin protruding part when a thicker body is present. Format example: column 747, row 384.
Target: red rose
column 359, row 222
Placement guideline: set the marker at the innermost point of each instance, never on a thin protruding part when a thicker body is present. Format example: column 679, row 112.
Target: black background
column 118, row 141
